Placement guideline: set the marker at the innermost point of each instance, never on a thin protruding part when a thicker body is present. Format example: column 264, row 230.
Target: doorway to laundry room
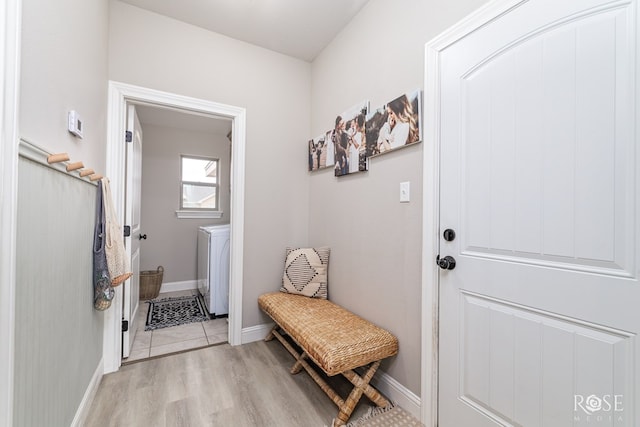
column 181, row 242
column 192, row 176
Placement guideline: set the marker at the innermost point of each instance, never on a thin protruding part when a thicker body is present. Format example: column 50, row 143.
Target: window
column 199, row 183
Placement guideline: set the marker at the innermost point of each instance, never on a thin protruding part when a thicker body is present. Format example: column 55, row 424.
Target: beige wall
column 153, row 51
column 375, row 267
column 64, row 67
column 171, row 242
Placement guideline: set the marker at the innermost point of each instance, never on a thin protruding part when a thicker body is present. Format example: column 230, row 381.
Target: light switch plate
column 405, row 192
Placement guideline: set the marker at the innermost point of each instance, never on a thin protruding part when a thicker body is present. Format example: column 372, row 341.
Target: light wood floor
column 247, row 385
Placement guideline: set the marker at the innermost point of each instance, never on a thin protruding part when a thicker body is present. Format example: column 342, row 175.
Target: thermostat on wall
column 75, row 124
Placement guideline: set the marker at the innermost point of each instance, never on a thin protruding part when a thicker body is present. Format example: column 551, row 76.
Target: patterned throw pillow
column 305, row 272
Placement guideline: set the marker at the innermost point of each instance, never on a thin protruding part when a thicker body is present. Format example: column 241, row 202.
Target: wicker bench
column 336, row 340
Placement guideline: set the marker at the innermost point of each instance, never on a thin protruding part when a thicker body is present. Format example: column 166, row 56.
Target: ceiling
column 298, row 28
column 179, row 119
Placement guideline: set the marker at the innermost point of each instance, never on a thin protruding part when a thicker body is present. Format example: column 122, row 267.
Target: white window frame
column 192, row 212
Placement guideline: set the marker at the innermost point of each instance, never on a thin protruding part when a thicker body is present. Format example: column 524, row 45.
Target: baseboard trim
column 89, row 394
column 186, row 285
column 255, row 333
column 397, row 393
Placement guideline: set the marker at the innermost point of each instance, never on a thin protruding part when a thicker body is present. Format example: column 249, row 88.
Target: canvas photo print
column 319, row 157
column 349, row 140
column 394, row 125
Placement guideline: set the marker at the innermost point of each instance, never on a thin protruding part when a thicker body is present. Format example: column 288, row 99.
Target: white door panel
column 539, row 179
column 532, row 143
column 133, row 197
column 553, row 357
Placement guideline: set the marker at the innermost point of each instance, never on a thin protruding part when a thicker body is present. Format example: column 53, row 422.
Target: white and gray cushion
column 305, row 272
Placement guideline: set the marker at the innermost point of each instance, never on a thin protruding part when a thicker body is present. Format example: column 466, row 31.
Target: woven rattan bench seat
column 335, row 339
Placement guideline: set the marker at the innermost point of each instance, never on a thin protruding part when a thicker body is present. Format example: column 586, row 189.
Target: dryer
column 213, row 267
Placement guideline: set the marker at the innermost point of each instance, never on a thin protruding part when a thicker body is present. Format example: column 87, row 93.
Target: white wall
column 153, row 51
column 171, row 242
column 64, row 67
column 375, row 267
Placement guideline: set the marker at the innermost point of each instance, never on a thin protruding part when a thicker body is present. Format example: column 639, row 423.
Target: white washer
column 213, row 267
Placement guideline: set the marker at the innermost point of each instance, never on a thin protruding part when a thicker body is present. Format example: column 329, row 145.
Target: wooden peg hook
column 74, row 166
column 57, row 158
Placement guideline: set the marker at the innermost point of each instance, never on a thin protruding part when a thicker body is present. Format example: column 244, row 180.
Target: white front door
column 539, row 179
column 132, row 218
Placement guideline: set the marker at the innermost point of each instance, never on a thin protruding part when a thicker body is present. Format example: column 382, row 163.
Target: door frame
column 10, row 45
column 119, row 95
column 431, row 196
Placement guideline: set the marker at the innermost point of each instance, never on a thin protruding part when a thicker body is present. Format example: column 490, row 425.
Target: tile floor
column 177, row 338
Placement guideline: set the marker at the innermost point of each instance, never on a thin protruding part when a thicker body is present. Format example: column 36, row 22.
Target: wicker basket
column 150, row 282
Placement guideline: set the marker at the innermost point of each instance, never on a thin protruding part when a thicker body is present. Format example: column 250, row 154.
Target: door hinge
column 125, row 325
column 128, row 136
column 127, row 230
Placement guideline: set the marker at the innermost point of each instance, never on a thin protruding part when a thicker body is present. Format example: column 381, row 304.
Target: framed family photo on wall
column 318, row 153
column 349, row 141
column 395, row 125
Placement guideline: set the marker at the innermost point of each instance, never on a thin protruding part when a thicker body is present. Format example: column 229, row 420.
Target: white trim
column 256, row 333
column 430, row 226
column 431, row 197
column 89, row 394
column 10, row 20
column 119, row 95
column 183, row 214
column 397, row 393
column 185, row 285
column 239, row 132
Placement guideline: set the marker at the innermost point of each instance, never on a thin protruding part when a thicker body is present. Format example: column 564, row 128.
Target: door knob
column 142, row 236
column 449, row 235
column 446, row 263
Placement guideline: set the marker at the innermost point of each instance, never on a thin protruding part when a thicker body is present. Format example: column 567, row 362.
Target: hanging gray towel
column 102, row 290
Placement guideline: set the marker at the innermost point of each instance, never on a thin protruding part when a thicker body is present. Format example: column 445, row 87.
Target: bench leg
column 270, row 335
column 373, row 394
column 302, row 363
column 360, row 386
column 297, row 367
column 349, row 405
